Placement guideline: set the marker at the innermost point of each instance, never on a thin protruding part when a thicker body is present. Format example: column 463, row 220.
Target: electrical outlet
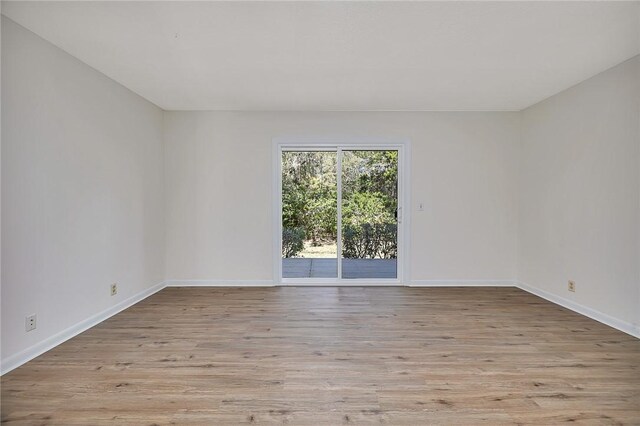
column 572, row 286
column 114, row 289
column 30, row 322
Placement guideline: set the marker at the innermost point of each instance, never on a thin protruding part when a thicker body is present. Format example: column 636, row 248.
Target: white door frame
column 403, row 146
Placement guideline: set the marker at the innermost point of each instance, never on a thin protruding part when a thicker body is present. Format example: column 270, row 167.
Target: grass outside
column 329, row 250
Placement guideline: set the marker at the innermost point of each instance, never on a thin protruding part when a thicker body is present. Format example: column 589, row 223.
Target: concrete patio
column 328, row 268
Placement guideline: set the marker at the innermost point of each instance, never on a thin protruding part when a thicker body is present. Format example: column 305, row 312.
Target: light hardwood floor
column 327, row 355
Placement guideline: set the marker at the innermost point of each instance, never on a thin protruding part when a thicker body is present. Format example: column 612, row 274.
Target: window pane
column 369, row 219
column 309, row 214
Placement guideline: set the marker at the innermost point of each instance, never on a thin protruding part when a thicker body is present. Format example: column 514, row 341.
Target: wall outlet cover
column 30, row 322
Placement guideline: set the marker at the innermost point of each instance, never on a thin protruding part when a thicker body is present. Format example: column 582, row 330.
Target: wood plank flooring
column 327, row 355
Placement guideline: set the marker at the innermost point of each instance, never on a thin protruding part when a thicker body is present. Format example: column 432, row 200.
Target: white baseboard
column 616, row 323
column 270, row 283
column 219, row 283
column 16, row 360
column 462, row 283
column 357, row 283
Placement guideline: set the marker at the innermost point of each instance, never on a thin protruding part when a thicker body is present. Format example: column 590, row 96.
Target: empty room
column 320, row 212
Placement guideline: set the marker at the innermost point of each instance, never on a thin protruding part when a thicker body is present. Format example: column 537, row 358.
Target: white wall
column 579, row 209
column 219, row 195
column 82, row 191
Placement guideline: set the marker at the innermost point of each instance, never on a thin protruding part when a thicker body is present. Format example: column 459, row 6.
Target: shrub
column 370, row 241
column 387, row 241
column 292, row 241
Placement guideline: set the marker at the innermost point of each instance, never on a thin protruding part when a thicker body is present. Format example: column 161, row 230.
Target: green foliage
column 369, row 230
column 292, row 241
column 309, row 194
column 369, row 183
column 370, row 241
column 371, row 172
column 365, row 208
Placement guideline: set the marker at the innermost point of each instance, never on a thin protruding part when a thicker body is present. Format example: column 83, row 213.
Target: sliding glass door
column 369, row 214
column 340, row 212
column 309, row 214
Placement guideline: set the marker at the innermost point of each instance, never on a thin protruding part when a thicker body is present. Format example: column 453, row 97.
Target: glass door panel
column 369, row 207
column 309, row 214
